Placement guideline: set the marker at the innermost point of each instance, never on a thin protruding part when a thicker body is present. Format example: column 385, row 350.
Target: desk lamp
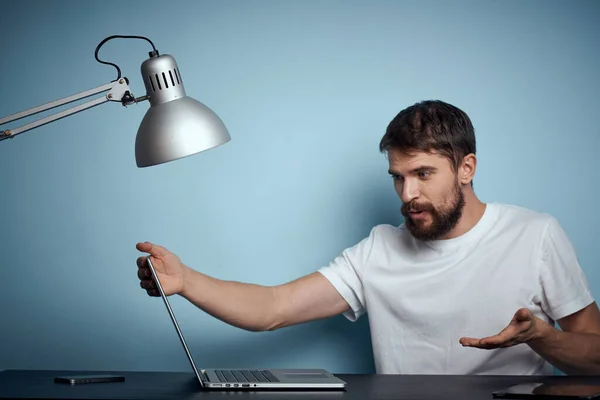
column 174, row 126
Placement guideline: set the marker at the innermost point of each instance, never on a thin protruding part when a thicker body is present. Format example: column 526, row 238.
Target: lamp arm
column 117, row 91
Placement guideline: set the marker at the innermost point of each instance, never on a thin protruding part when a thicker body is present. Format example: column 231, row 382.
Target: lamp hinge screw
column 7, row 132
column 110, row 96
column 121, row 81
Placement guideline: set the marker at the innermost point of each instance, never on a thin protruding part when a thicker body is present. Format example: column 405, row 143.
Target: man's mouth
column 417, row 214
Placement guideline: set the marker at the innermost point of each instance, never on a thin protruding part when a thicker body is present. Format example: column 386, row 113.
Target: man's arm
column 575, row 350
column 263, row 308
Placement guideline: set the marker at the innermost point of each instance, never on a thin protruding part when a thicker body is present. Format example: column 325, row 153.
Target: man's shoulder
column 519, row 216
column 519, row 220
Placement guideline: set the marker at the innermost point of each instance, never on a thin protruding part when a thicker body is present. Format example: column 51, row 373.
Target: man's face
column 431, row 194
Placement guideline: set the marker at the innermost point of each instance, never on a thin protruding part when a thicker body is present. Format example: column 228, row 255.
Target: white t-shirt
column 422, row 297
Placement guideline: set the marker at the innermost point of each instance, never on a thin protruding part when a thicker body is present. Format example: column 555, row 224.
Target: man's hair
column 431, row 126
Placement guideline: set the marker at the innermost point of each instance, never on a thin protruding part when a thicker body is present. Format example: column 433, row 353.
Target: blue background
column 306, row 89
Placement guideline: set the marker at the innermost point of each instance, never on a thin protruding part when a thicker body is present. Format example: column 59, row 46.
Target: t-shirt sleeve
column 564, row 284
column 345, row 271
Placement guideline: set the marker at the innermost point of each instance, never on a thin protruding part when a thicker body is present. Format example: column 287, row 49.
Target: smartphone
column 78, row 379
column 559, row 391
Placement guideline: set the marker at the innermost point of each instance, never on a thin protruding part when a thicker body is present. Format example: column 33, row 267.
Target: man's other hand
column 523, row 327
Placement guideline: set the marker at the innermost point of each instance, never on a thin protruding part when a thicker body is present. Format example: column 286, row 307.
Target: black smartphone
column 558, row 391
column 78, row 379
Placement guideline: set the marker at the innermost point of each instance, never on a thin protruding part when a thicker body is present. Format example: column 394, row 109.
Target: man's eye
column 424, row 174
column 396, row 177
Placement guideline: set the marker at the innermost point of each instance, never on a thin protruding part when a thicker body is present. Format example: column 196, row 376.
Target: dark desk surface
column 30, row 384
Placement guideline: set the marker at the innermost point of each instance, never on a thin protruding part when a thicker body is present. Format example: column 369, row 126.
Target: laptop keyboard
column 242, row 375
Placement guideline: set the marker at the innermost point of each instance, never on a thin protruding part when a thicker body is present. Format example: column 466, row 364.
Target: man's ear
column 466, row 171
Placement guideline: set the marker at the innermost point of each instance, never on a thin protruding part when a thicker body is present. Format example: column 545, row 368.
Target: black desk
column 29, row 384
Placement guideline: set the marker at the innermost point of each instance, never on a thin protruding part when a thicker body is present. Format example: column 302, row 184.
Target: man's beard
column 443, row 219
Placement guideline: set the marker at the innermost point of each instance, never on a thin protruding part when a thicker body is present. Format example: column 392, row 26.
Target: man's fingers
column 472, row 342
column 150, row 287
column 504, row 335
column 147, row 284
column 467, row 341
column 503, row 339
column 492, row 342
column 144, row 273
column 154, row 250
column 479, row 342
column 495, row 340
column 486, row 341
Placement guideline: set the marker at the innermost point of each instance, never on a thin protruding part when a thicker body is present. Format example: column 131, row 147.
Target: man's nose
column 410, row 191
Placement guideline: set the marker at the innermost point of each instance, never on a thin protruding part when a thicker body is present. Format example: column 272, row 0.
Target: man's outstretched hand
column 169, row 269
column 523, row 328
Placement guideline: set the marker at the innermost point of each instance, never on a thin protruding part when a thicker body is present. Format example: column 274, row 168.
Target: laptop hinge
column 204, row 376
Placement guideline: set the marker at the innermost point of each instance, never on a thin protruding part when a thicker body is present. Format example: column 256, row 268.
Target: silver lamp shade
column 175, row 125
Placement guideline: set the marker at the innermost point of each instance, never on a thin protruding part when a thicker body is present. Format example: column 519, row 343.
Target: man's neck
column 472, row 213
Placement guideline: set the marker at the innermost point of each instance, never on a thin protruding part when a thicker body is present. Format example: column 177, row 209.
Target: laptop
column 252, row 379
